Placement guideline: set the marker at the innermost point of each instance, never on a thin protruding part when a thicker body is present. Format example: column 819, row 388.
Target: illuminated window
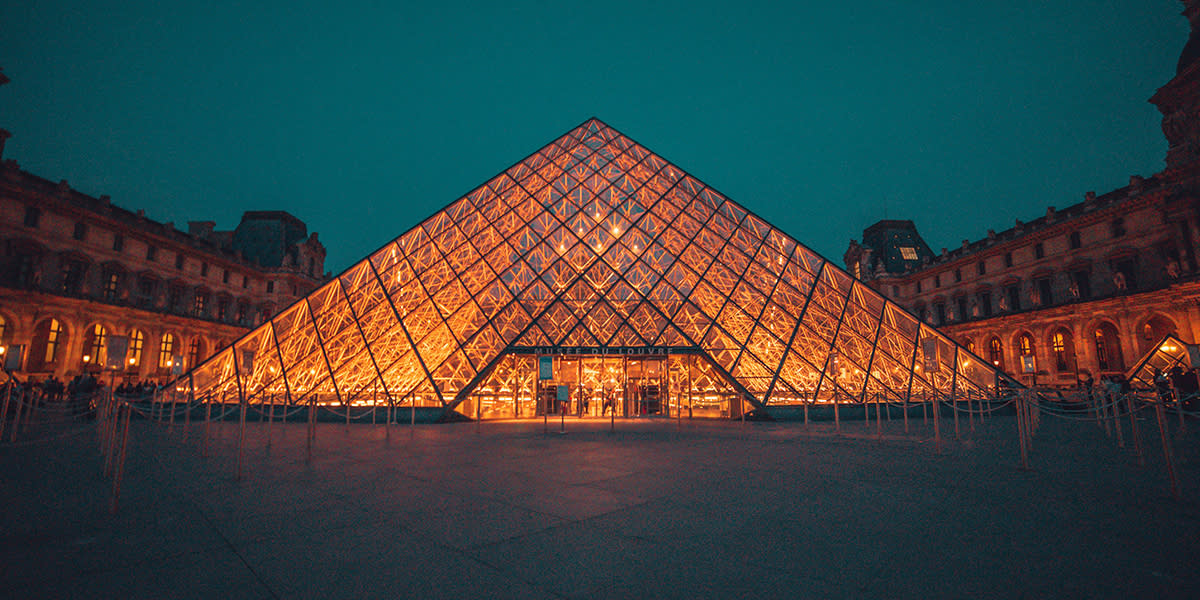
column 94, row 345
column 137, row 341
column 1101, row 350
column 1058, row 343
column 996, row 352
column 908, row 253
column 112, row 285
column 199, row 302
column 1025, row 345
column 165, row 349
column 3, row 330
column 53, row 335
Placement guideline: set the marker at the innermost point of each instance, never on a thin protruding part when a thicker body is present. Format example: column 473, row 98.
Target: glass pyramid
column 592, row 245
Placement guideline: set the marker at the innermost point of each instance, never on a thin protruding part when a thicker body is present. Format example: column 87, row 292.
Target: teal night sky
column 362, row 118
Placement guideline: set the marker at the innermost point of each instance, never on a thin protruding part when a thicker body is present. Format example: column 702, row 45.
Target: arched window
column 166, row 350
column 970, row 344
column 48, row 339
column 137, row 342
column 1064, row 350
column 996, row 352
column 1025, row 344
column 195, row 351
column 94, row 342
column 1108, row 348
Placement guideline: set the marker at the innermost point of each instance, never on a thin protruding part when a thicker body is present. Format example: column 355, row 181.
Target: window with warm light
column 1058, row 343
column 53, row 339
column 165, row 350
column 908, row 253
column 137, row 341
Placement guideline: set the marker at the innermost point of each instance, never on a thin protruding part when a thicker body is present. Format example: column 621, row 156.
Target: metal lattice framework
column 592, row 241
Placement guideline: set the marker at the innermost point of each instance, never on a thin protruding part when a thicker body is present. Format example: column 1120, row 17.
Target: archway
column 1107, row 343
column 1152, row 331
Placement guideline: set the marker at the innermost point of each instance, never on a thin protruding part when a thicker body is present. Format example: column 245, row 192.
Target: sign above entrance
column 545, row 368
column 605, row 350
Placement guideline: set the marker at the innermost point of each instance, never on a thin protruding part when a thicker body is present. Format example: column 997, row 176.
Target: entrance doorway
column 683, row 385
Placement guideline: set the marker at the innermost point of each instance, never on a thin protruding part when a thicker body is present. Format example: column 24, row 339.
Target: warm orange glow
column 593, row 242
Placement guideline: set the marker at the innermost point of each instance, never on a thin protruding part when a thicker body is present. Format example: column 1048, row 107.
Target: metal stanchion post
column 937, row 421
column 1018, row 402
column 4, row 411
column 1160, row 416
column 954, row 405
column 1133, row 428
column 207, row 421
column 241, row 440
column 120, row 469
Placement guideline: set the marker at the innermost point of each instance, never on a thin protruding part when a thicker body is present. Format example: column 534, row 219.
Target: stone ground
column 654, row 509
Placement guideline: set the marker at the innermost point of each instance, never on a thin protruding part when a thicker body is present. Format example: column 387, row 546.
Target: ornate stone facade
column 76, row 270
column 1084, row 290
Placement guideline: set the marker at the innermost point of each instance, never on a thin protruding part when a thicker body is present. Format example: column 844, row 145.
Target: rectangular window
column 222, row 309
column 225, row 276
column 146, row 292
column 33, row 214
column 1007, row 259
column 198, row 304
column 1081, row 284
column 981, row 268
column 985, row 304
column 1127, row 267
column 918, row 287
column 1045, row 291
column 245, row 282
column 72, row 277
column 1118, row 227
column 179, row 260
column 151, row 253
column 1075, row 240
column 1014, row 297
column 937, row 280
column 1039, row 250
column 118, row 242
column 270, row 287
column 895, row 291
column 204, row 269
column 80, row 232
column 174, row 297
column 908, row 253
column 957, row 275
column 939, row 312
column 112, row 285
column 961, row 301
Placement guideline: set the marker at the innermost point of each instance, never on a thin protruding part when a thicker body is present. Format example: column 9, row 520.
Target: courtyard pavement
column 654, row 509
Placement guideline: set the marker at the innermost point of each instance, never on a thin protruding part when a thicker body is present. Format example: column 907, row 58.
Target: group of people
column 1178, row 384
column 137, row 389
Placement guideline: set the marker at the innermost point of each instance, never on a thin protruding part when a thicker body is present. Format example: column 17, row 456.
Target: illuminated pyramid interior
column 652, row 293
